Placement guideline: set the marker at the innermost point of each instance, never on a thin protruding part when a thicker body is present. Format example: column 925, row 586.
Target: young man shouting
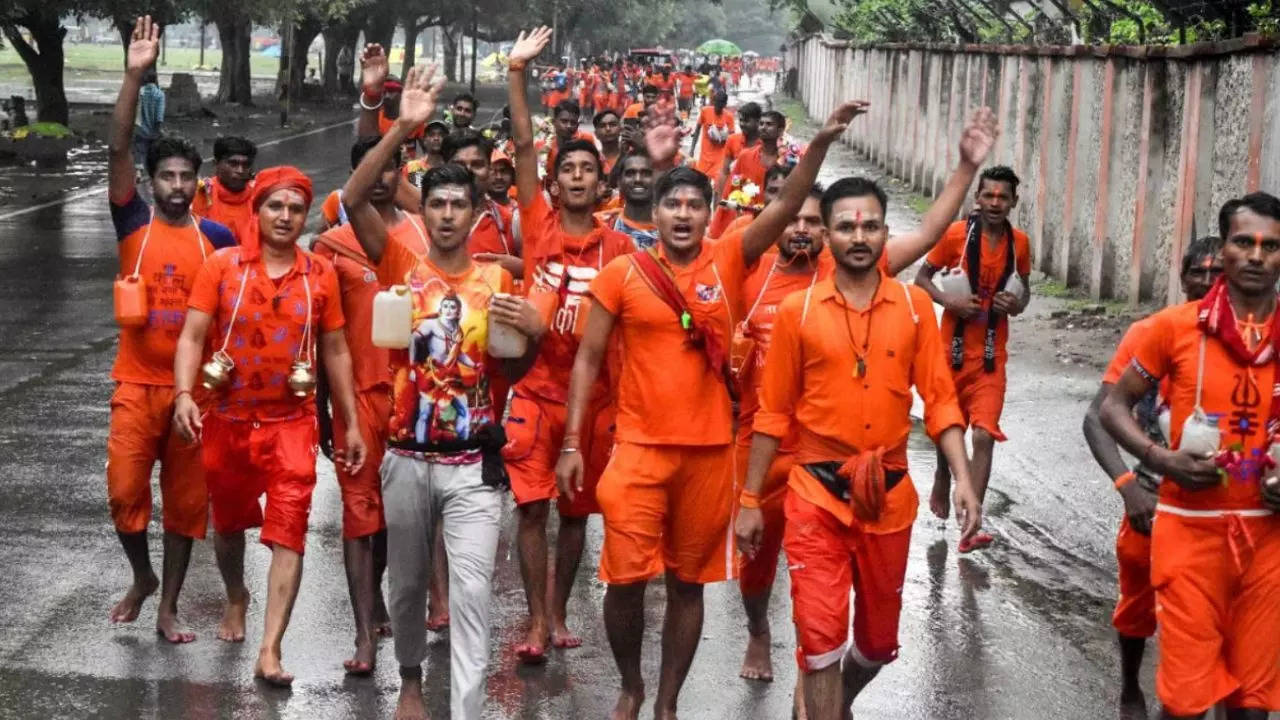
column 443, row 463
column 1215, row 540
column 842, row 359
column 565, row 248
column 666, row 494
column 162, row 247
column 994, row 257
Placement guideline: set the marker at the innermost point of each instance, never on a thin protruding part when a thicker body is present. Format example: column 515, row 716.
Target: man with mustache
column 161, row 249
column 224, row 198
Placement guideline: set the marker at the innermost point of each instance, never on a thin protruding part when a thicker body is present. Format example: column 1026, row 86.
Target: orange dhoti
column 981, row 395
column 1135, row 614
column 142, row 433
column 362, row 492
column 667, row 507
column 1217, row 578
column 755, row 575
column 244, row 459
column 535, row 434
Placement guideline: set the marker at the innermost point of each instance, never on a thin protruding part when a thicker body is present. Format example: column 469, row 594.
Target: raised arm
column 373, row 73
column 417, row 103
column 976, row 142
column 144, row 47
column 764, row 230
column 527, row 47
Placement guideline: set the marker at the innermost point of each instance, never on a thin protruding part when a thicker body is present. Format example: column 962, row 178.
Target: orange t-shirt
column 686, row 84
column 710, row 155
column 216, row 203
column 266, row 331
column 668, row 394
column 664, row 84
column 562, row 301
column 359, row 284
column 809, row 387
column 1169, row 348
column 440, row 385
column 493, row 231
column 734, row 146
column 634, row 110
column 554, row 146
column 1125, row 351
column 949, row 252
column 170, row 263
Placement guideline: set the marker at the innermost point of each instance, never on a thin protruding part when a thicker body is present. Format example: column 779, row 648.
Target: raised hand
column 418, row 99
column 373, row 70
column 979, row 137
column 840, row 118
column 144, row 46
column 529, row 45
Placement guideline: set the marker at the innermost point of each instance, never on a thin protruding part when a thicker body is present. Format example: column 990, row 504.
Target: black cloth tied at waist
column 488, row 439
column 828, row 474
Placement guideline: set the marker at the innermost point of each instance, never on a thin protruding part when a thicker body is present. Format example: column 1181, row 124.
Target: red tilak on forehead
column 857, row 217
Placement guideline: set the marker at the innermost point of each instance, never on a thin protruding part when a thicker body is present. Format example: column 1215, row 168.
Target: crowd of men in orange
column 718, row 396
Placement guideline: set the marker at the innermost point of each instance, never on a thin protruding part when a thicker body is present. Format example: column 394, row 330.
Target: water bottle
column 392, row 318
column 504, row 340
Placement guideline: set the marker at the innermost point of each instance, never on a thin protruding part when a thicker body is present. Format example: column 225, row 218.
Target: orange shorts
column 362, row 492
column 1135, row 614
column 755, row 575
column 535, row 432
column 141, row 433
column 244, row 459
column 827, row 558
column 981, row 396
column 667, row 507
column 1216, row 581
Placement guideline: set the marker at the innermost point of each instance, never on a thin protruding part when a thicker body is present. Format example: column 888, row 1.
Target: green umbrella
column 720, row 47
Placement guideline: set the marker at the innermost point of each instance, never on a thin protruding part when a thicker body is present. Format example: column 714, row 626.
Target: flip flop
column 977, row 542
column 438, row 625
column 531, row 654
column 358, row 668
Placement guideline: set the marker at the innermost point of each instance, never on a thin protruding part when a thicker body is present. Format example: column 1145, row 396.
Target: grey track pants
column 416, row 494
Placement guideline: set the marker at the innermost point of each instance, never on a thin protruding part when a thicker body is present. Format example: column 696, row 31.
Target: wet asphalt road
column 1020, row 631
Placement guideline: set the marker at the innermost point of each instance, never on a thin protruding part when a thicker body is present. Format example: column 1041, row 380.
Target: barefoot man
column 444, row 458
column 364, row 529
column 565, row 248
column 1135, row 614
column 667, row 493
column 161, row 249
column 268, row 306
column 800, row 262
column 843, row 357
column 1215, row 540
column 975, row 324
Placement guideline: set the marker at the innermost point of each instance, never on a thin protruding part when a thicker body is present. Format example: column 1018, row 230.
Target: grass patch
column 793, row 109
column 919, row 203
column 111, row 58
column 1050, row 287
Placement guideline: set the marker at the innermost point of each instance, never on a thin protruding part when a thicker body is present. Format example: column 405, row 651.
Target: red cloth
column 704, row 332
column 267, row 182
column 1218, row 319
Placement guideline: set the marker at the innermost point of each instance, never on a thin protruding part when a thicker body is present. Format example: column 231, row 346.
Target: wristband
column 749, row 500
column 366, row 106
column 572, row 440
column 568, row 450
column 1125, row 479
column 516, row 66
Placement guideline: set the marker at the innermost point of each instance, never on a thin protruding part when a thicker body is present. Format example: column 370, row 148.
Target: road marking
column 79, row 194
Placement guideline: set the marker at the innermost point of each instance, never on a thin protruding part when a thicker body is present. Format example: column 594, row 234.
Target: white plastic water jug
column 1165, row 420
column 504, row 340
column 954, row 282
column 392, row 318
column 1014, row 286
column 1200, row 434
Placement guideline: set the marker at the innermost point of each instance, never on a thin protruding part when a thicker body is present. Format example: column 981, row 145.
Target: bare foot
column 167, row 628
column 381, row 619
column 231, row 629
column 562, row 637
column 382, row 630
column 757, row 664
column 628, row 707
column 798, row 710
column 362, row 663
column 126, row 611
column 411, row 706
column 268, row 668
column 438, row 623
column 940, row 500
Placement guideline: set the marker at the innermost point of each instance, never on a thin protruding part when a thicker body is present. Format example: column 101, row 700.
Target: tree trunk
column 303, row 34
column 234, row 81
column 332, row 46
column 380, row 29
column 450, row 52
column 411, row 30
column 45, row 65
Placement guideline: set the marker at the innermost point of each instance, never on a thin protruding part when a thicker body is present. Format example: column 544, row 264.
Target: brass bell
column 302, row 380
column 215, row 373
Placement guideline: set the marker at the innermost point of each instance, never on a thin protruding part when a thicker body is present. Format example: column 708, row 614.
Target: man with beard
column 667, row 493
column 635, row 217
column 1134, row 618
column 751, row 166
column 443, row 463
column 842, row 359
column 565, row 249
column 272, row 309
column 364, row 534
column 800, row 263
column 994, row 257
column 463, row 111
column 161, row 249
column 224, row 198
column 1215, row 540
